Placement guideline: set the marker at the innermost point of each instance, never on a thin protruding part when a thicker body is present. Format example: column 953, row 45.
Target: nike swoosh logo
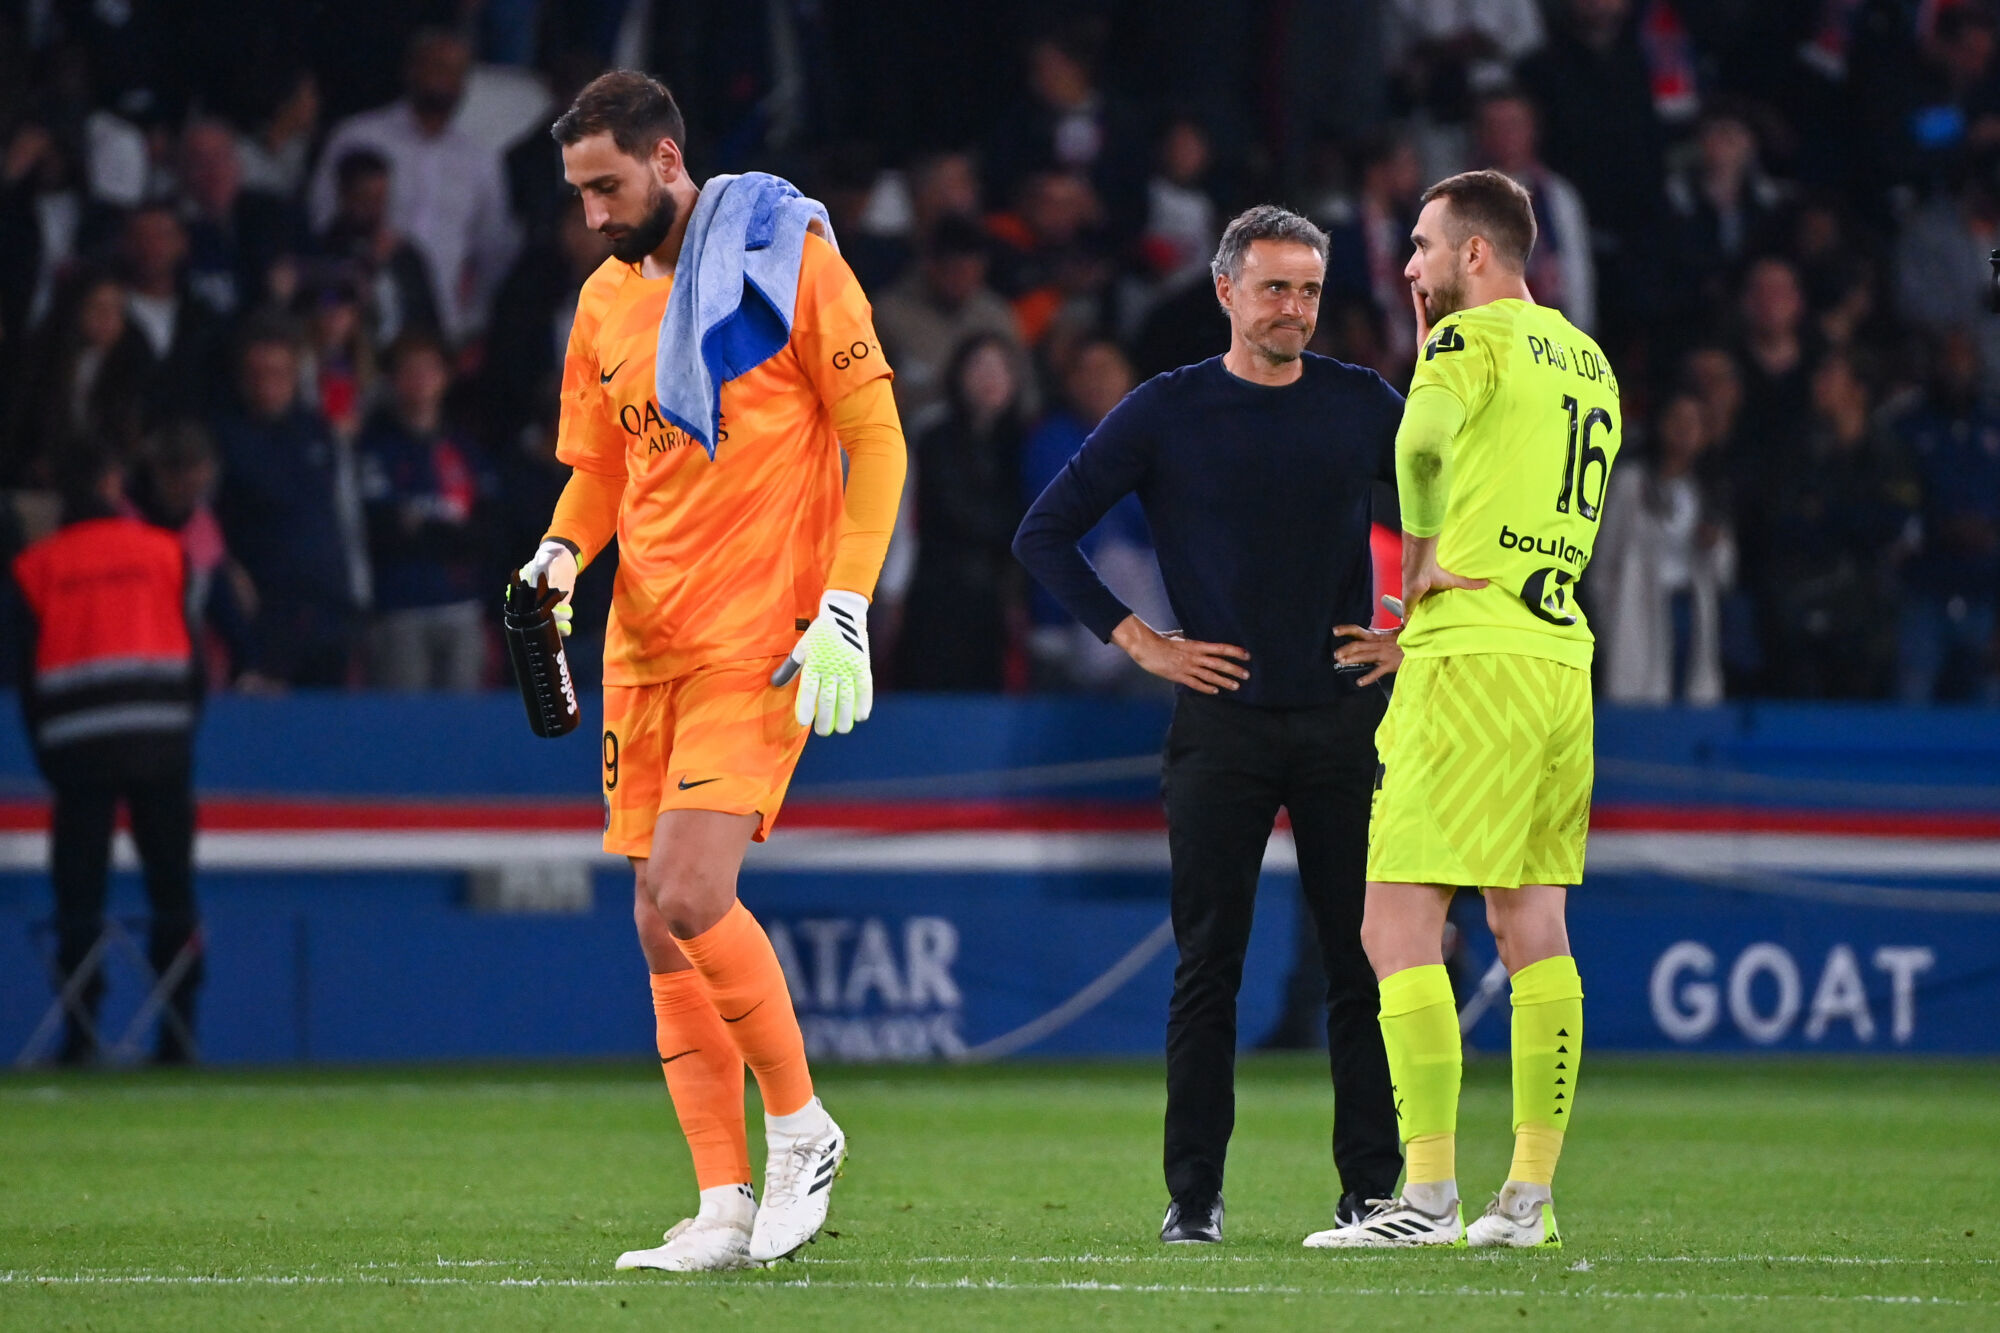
column 605, row 377
column 669, row 1059
column 685, row 784
column 745, row 1014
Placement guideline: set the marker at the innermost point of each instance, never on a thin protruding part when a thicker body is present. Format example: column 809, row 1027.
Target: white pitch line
column 961, row 1284
column 1777, row 1259
column 817, row 1260
column 827, row 1261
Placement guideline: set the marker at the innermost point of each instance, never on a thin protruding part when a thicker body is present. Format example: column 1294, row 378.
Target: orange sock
column 742, row 979
column 704, row 1078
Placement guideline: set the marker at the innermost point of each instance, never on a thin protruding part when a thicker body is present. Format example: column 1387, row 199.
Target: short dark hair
column 415, row 342
column 80, row 470
column 268, row 328
column 635, row 109
column 1494, row 205
column 178, row 446
column 356, row 163
column 955, row 236
column 1265, row 222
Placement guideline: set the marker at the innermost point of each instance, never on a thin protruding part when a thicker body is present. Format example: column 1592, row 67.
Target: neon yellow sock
column 1548, row 1045
column 1420, row 1029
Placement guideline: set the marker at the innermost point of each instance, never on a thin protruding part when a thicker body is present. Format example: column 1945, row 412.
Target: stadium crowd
column 308, row 274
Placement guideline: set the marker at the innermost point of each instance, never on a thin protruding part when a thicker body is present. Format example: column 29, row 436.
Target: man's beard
column 1446, row 298
column 650, row 231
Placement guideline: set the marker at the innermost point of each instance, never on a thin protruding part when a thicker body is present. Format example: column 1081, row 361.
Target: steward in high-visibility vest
column 110, row 693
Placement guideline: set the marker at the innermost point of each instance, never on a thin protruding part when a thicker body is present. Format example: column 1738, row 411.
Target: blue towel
column 734, row 288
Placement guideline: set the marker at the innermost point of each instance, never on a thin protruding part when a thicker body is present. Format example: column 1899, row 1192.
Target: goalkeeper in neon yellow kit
column 1502, row 462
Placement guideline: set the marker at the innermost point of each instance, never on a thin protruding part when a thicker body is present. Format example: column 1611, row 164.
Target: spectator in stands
column 1562, row 271
column 1603, row 133
column 46, row 221
column 174, row 488
column 1181, row 330
column 1068, row 125
column 336, row 355
column 521, row 377
column 1776, row 360
column 1353, row 330
column 1467, row 44
column 945, row 300
column 1048, row 248
column 536, row 190
column 287, row 506
column 1842, row 276
column 1947, row 647
column 446, row 192
column 965, row 595
column 1723, row 209
column 1664, row 561
column 1445, row 54
column 23, row 275
column 517, row 396
column 1948, row 105
column 394, row 278
column 942, row 185
column 234, row 234
column 1940, row 262
column 82, row 379
column 183, row 334
column 274, row 154
column 1711, row 374
column 1835, row 523
column 1063, row 654
column 425, row 491
column 1181, row 228
column 1370, row 238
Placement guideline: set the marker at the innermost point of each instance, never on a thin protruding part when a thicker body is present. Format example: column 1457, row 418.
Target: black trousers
column 160, row 799
column 1228, row 770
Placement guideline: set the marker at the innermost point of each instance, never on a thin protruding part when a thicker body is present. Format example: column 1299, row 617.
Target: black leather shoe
column 1194, row 1222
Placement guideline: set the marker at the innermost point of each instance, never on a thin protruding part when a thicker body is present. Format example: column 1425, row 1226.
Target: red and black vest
column 113, row 660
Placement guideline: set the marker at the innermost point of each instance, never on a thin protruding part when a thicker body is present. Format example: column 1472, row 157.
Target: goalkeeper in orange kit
column 706, row 428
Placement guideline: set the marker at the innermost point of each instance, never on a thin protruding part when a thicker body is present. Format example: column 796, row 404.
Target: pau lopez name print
column 1584, row 362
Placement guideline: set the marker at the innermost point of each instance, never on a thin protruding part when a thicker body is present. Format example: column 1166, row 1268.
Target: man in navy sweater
column 1255, row 470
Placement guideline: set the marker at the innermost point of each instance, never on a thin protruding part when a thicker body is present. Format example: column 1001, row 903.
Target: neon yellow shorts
column 1486, row 773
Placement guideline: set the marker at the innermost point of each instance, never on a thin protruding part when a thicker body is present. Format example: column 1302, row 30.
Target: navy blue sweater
column 1258, row 502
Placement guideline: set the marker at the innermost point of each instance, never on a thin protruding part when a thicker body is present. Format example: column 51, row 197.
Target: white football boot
column 1521, row 1217
column 806, row 1150
column 1394, row 1224
column 714, row 1240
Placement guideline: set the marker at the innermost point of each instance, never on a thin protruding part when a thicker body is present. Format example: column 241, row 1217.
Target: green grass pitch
column 1706, row 1194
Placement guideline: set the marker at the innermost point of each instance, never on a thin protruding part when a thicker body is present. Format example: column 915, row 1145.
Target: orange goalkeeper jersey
column 722, row 560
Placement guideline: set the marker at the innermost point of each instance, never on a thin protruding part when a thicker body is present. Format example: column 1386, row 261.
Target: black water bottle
column 540, row 665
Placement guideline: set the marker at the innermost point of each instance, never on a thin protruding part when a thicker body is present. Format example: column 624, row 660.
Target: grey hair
column 1265, row 222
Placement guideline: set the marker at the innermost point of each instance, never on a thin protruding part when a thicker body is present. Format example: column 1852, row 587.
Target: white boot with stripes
column 805, row 1152
column 715, row 1239
column 1393, row 1224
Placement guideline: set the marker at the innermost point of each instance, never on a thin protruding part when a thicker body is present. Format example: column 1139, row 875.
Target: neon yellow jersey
column 1528, row 478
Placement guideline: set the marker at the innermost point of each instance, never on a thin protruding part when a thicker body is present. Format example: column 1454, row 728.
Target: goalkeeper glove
column 555, row 561
column 836, row 682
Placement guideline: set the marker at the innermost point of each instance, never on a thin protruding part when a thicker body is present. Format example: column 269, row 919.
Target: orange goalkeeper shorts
column 719, row 738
